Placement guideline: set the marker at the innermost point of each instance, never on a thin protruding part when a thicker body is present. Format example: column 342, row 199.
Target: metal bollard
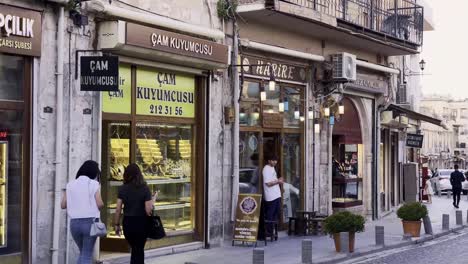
column 445, row 222
column 344, row 241
column 427, row 225
column 449, row 194
column 379, row 236
column 258, row 256
column 307, row 251
column 459, row 217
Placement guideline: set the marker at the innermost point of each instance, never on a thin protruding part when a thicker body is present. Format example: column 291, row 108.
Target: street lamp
column 422, row 65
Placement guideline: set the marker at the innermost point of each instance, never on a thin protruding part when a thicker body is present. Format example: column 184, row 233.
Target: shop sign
column 247, row 217
column 414, row 140
column 272, row 120
column 3, row 134
column 370, row 83
column 166, row 41
column 120, row 101
column 21, row 31
column 162, row 93
column 99, row 73
column 281, row 70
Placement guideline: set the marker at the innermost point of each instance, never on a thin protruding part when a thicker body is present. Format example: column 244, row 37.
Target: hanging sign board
column 247, row 217
column 414, row 140
column 164, row 93
column 99, row 73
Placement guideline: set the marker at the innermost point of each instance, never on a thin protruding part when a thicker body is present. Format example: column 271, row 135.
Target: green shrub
column 226, row 9
column 413, row 211
column 344, row 222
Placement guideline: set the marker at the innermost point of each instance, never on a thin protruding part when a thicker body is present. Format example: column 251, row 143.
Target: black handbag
column 154, row 227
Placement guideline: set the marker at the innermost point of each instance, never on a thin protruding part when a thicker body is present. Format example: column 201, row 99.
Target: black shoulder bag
column 154, row 227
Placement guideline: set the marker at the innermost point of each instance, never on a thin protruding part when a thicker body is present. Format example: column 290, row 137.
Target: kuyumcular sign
column 161, row 93
column 99, row 73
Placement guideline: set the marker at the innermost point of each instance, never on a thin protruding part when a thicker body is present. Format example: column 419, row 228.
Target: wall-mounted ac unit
column 344, row 67
column 402, row 95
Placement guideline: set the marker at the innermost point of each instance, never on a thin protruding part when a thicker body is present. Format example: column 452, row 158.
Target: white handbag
column 98, row 228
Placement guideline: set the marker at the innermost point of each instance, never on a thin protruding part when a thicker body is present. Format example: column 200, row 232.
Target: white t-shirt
column 81, row 201
column 273, row 192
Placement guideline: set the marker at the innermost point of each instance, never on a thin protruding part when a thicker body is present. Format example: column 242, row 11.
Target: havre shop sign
column 21, row 31
column 281, row 70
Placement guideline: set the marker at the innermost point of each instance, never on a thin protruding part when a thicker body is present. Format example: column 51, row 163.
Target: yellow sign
column 119, row 102
column 161, row 93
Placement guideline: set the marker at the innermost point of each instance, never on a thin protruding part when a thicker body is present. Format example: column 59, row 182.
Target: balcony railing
column 399, row 19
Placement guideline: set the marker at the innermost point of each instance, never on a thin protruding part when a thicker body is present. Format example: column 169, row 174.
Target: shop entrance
column 286, row 147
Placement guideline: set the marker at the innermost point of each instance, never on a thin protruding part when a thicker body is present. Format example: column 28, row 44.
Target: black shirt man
column 456, row 179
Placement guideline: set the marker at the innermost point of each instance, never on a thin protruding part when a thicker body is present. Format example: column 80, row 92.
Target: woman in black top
column 135, row 195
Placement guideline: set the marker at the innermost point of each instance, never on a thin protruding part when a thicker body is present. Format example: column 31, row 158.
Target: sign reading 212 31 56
column 165, row 93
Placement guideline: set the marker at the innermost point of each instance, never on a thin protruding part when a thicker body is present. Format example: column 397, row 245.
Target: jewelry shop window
column 153, row 124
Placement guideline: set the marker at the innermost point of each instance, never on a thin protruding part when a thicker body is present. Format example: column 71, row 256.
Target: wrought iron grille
column 400, row 19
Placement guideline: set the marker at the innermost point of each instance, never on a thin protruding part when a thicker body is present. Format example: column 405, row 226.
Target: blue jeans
column 80, row 228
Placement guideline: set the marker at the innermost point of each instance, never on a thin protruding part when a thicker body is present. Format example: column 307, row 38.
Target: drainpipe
column 235, row 128
column 58, row 137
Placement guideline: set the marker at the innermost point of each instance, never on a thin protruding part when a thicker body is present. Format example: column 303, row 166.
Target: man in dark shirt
column 456, row 179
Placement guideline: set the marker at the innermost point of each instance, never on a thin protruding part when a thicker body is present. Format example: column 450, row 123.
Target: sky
column 445, row 50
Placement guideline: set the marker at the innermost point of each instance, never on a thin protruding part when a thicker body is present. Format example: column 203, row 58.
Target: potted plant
column 344, row 222
column 411, row 215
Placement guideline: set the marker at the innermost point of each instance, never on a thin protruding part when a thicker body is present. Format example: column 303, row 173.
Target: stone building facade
column 186, row 148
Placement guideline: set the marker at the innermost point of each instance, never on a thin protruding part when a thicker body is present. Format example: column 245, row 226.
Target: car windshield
column 445, row 173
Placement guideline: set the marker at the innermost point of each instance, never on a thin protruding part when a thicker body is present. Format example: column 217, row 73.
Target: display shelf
column 152, row 182
column 342, row 180
column 346, row 204
column 162, row 207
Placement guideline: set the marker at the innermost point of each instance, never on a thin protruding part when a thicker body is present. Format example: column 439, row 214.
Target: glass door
column 291, row 164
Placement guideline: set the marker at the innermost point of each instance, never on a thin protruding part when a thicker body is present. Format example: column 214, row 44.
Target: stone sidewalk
column 287, row 249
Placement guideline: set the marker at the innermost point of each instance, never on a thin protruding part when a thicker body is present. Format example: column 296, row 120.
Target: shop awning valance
column 398, row 110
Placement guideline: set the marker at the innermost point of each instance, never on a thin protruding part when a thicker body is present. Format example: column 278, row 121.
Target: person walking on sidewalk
column 135, row 196
column 272, row 192
column 429, row 191
column 82, row 199
column 456, row 179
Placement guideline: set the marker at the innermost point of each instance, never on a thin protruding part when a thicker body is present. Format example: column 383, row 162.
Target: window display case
column 3, row 189
column 164, row 155
column 347, row 184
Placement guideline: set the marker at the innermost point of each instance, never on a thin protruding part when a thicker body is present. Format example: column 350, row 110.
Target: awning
column 398, row 110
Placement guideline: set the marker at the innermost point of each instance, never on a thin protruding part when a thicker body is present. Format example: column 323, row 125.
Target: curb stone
column 384, row 248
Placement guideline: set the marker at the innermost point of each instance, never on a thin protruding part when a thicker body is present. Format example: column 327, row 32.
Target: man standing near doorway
column 272, row 192
column 456, row 179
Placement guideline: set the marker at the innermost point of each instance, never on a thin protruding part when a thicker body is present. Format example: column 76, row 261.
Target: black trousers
column 456, row 195
column 135, row 234
column 272, row 212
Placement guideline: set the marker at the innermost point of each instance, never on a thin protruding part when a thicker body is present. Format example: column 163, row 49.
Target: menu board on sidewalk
column 247, row 217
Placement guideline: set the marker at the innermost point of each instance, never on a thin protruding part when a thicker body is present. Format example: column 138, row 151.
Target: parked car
column 444, row 180
column 248, row 180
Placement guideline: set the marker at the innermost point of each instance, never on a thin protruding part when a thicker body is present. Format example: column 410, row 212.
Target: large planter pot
column 412, row 227
column 336, row 238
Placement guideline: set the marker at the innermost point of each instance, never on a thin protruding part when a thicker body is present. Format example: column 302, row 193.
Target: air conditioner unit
column 344, row 67
column 402, row 97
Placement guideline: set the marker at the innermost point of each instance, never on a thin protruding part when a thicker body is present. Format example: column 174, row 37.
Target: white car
column 444, row 180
